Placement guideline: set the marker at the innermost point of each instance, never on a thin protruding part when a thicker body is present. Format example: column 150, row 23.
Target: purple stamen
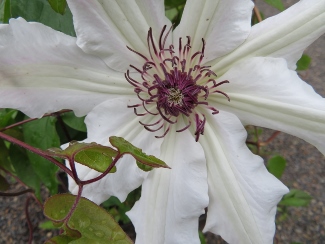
column 153, row 130
column 145, row 108
column 174, row 84
column 144, row 57
column 165, row 133
column 156, row 123
column 140, row 71
column 136, row 113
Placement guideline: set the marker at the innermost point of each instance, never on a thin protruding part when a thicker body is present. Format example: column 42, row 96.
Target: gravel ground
column 305, row 171
column 13, row 224
column 305, row 164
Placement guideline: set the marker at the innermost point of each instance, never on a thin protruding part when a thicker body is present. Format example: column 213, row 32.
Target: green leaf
column 76, row 147
column 67, row 134
column 42, row 134
column 58, row 5
column 171, row 13
column 296, row 198
column 47, row 225
column 24, row 170
column 96, row 158
column 174, row 10
column 62, row 239
column 5, row 11
column 118, row 210
column 276, row 3
column 4, row 185
column 7, row 117
column 276, row 166
column 15, row 132
column 202, row 238
column 74, row 122
column 4, row 154
column 144, row 167
column 257, row 132
column 91, row 222
column 92, row 155
column 41, row 11
column 304, row 62
column 174, row 3
column 125, row 147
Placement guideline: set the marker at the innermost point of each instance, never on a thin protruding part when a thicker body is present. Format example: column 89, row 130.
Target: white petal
column 173, row 199
column 105, row 27
column 243, row 195
column 284, row 35
column 113, row 118
column 297, row 44
column 224, row 24
column 42, row 70
column 264, row 92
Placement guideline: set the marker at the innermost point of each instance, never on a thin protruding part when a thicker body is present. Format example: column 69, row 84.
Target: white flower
column 43, row 71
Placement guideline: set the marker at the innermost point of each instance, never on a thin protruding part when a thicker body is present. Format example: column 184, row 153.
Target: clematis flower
column 182, row 95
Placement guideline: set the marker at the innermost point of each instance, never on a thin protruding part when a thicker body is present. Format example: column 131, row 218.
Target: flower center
column 177, row 93
column 171, row 85
column 174, row 97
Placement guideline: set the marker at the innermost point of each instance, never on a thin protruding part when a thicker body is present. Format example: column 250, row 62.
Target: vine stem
column 74, row 206
column 271, row 138
column 74, row 171
column 118, row 156
column 257, row 141
column 13, row 194
column 36, row 151
column 258, row 14
column 22, row 183
column 32, row 119
column 260, row 144
column 82, row 183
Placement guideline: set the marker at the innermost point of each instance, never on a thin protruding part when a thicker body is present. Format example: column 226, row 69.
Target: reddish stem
column 74, row 171
column 257, row 141
column 118, row 156
column 32, row 119
column 37, row 151
column 271, row 138
column 82, row 183
column 74, row 206
column 13, row 194
column 22, row 183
